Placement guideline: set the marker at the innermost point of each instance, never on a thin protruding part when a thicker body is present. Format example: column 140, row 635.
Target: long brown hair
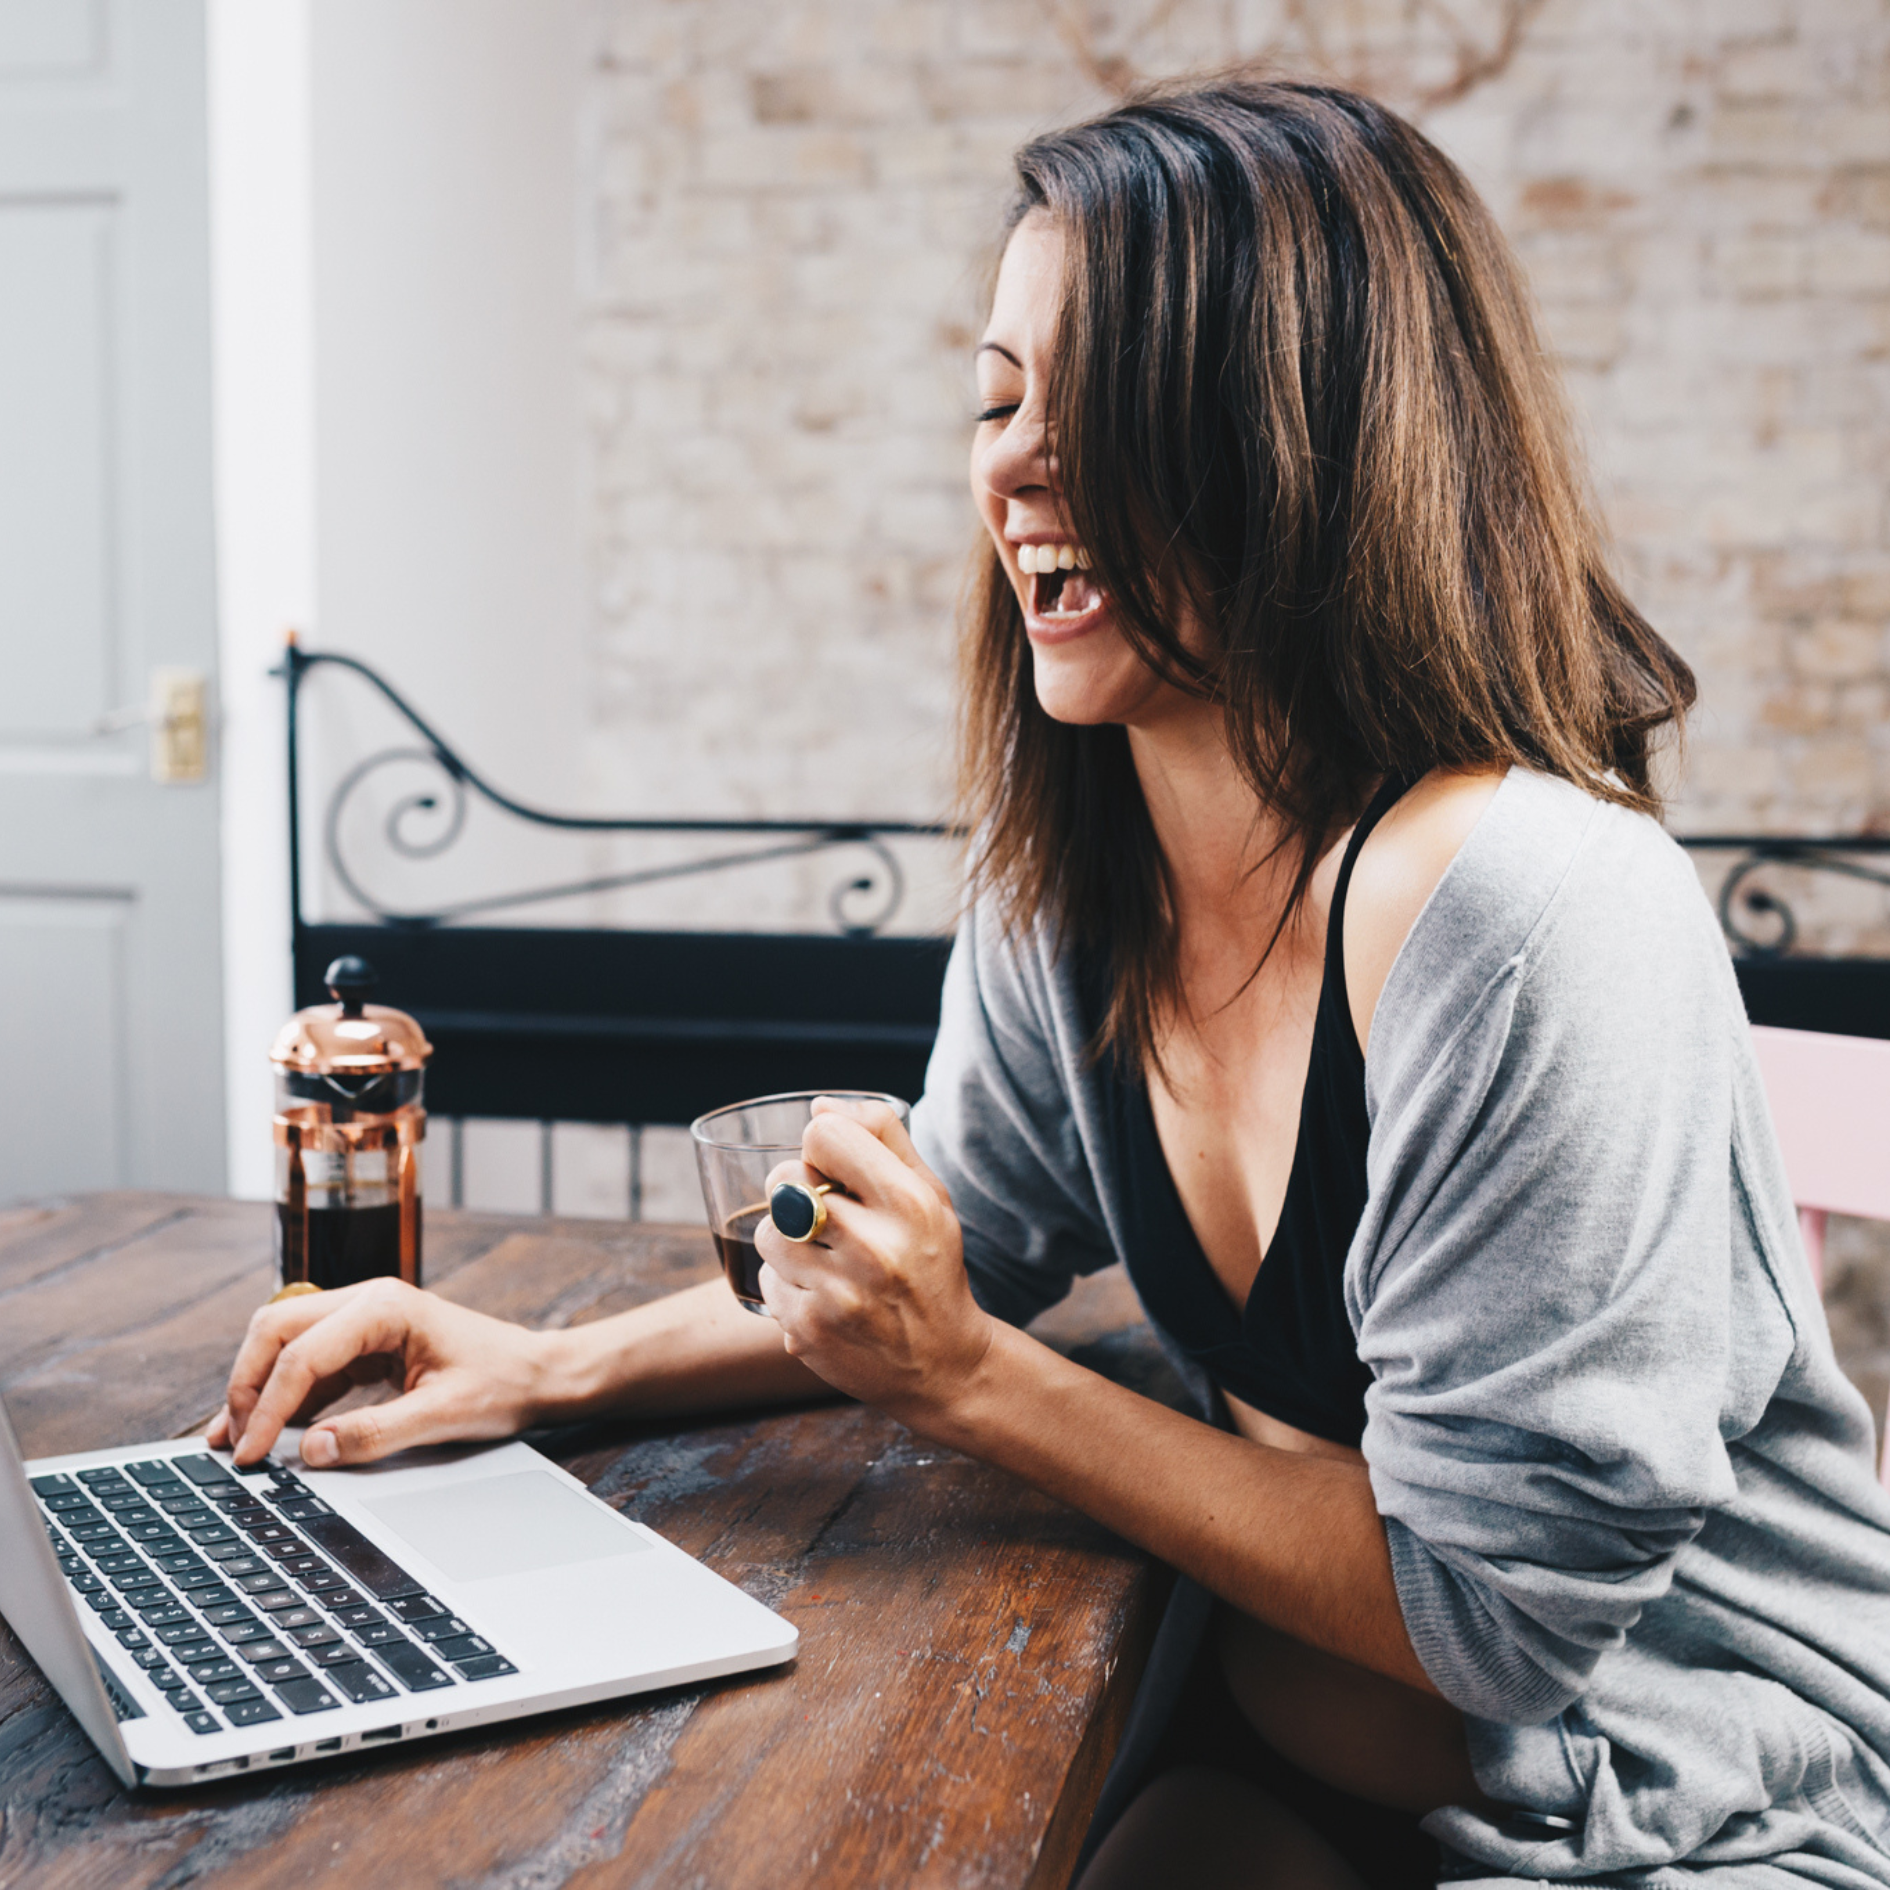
column 1297, row 396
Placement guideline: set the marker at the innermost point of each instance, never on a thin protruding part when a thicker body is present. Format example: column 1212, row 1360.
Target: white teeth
column 1032, row 559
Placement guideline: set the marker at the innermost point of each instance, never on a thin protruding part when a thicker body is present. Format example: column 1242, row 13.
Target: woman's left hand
column 880, row 1306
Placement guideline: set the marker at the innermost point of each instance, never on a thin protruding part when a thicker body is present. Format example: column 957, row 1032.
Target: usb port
column 381, row 1732
column 328, row 1745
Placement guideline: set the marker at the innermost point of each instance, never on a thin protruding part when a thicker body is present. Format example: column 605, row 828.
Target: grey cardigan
column 1634, row 1524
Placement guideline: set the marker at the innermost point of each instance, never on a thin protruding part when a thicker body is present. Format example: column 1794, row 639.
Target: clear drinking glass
column 736, row 1147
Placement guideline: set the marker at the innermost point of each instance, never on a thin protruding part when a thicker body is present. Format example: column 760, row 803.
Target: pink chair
column 1830, row 1102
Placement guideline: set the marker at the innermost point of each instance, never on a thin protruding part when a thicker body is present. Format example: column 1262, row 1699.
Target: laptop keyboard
column 244, row 1596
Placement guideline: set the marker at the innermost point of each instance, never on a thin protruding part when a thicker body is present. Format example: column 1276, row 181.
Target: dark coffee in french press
column 348, row 1129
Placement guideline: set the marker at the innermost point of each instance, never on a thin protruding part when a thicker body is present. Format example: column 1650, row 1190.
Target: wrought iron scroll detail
column 1757, row 920
column 428, row 820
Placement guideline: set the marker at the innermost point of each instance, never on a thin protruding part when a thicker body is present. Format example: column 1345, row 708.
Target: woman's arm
column 883, row 1311
column 465, row 1375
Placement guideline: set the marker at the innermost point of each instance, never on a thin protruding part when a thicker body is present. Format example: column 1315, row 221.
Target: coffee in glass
column 736, row 1148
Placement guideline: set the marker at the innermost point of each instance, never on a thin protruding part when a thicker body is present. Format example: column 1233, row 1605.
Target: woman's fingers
column 325, row 1347
column 846, row 1149
column 270, row 1329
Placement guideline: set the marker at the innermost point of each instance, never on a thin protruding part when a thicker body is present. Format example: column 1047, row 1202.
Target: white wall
column 396, row 204
column 263, row 317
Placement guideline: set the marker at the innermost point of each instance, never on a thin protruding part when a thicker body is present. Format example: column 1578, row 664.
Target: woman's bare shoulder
column 1398, row 869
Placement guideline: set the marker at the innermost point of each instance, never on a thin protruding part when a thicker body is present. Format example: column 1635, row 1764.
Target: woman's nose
column 1018, row 460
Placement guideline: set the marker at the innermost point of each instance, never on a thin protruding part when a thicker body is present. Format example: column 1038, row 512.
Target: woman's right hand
column 462, row 1374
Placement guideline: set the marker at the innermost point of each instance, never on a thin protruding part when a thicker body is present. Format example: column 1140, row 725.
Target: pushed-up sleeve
column 1543, row 1282
column 998, row 1126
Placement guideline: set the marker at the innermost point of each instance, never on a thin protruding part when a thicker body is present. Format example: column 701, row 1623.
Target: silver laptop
column 200, row 1620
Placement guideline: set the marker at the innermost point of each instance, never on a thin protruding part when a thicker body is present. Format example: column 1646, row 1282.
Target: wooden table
column 968, row 1647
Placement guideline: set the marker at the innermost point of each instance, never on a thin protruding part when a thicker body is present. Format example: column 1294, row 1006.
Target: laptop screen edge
column 39, row 1608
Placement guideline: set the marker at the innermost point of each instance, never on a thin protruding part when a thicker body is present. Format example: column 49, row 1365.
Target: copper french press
column 348, row 1129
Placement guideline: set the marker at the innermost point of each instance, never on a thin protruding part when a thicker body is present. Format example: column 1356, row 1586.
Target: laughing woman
column 1328, row 968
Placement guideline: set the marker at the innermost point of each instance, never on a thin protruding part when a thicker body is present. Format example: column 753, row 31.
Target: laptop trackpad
column 507, row 1525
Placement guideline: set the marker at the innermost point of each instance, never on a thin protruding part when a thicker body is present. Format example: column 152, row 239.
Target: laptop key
column 149, row 1657
column 184, row 1701
column 296, row 1617
column 189, row 1579
column 320, row 1635
column 304, row 1507
column 260, row 1583
column 337, row 1655
column 242, row 1633
column 202, row 1722
column 376, row 1572
column 86, row 1582
column 116, row 1618
column 267, row 1531
column 178, row 1561
column 105, row 1473
column 166, row 1677
column 355, row 1616
column 207, row 1672
column 151, row 1531
column 52, row 1485
column 277, row 1601
column 179, row 1633
column 195, row 1653
column 242, row 1562
column 228, row 1614
column 95, row 1533
column 228, row 1692
column 101, row 1599
column 213, row 1532
column 484, row 1667
column 220, row 1552
column 412, row 1668
column 162, row 1613
column 462, row 1648
column 359, row 1681
column 200, row 1470
column 442, row 1627
column 152, row 1470
column 416, row 1607
column 301, row 1563
column 276, row 1671
column 380, row 1634
column 258, row 1651
column 120, row 1559
column 133, row 1637
column 59, row 1501
column 306, row 1696
column 250, row 1712
column 323, row 1580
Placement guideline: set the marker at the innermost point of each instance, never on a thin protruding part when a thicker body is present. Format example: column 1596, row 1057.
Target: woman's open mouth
column 1061, row 594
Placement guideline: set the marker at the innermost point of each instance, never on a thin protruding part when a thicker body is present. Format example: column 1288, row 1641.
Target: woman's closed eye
column 1001, row 410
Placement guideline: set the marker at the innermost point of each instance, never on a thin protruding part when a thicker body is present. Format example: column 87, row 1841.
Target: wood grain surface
column 968, row 1647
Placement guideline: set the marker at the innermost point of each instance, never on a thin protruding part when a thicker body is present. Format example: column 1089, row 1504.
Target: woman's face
column 1086, row 671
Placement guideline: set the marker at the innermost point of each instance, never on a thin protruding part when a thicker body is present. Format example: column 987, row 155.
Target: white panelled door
column 110, row 1023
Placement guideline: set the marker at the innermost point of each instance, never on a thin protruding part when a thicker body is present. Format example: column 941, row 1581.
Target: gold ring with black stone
column 799, row 1212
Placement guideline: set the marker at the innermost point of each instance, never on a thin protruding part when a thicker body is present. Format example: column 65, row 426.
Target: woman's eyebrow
column 997, row 347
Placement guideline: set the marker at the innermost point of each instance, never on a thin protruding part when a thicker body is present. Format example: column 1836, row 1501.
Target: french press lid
column 350, row 1037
